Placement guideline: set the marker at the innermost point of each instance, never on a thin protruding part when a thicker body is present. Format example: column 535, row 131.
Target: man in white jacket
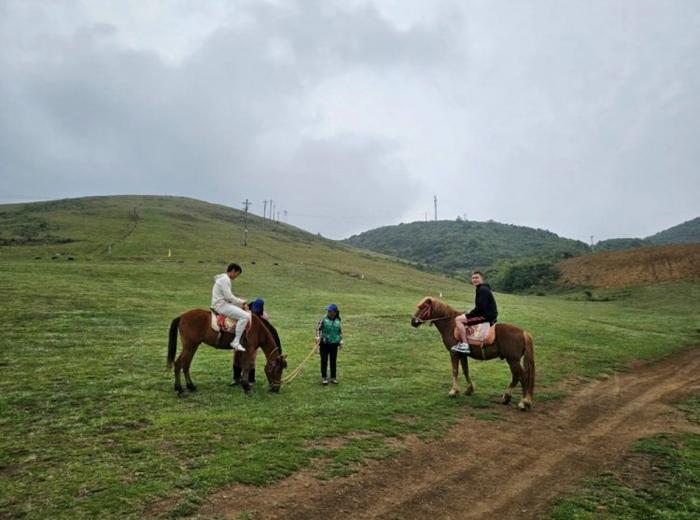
column 224, row 302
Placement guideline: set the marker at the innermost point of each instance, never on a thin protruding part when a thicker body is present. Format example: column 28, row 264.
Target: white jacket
column 221, row 292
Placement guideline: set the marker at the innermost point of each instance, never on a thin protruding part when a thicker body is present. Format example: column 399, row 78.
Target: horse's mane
column 273, row 332
column 440, row 308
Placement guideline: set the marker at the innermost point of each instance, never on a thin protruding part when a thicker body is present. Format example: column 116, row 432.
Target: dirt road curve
column 485, row 469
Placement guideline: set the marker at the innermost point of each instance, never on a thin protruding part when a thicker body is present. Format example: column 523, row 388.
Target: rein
column 435, row 319
column 294, row 373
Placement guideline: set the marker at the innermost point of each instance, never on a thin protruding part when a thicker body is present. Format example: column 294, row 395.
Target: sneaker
column 324, row 382
column 334, row 381
column 237, row 346
column 461, row 348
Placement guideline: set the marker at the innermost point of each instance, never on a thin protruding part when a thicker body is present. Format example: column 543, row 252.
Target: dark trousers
column 328, row 350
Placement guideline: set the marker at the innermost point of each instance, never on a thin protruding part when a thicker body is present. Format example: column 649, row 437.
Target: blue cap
column 332, row 307
column 257, row 305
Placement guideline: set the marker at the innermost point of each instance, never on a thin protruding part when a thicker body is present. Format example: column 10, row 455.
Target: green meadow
column 91, row 425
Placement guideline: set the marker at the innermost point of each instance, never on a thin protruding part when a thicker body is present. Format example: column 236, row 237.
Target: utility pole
column 264, row 209
column 591, row 241
column 272, row 210
column 285, row 215
column 246, row 204
column 435, row 203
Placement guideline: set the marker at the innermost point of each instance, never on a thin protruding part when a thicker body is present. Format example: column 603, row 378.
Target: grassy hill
column 685, row 233
column 460, row 246
column 91, row 427
column 142, row 227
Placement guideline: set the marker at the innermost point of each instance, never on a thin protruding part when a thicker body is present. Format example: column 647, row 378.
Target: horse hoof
column 469, row 391
column 524, row 406
column 192, row 388
column 506, row 399
column 453, row 393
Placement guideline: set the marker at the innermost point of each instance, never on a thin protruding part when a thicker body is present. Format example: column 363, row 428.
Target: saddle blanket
column 478, row 334
column 221, row 323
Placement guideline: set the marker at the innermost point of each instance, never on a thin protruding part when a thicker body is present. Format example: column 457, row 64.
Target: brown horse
column 195, row 328
column 512, row 343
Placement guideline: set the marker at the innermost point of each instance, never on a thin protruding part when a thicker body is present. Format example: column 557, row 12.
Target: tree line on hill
column 686, row 233
column 515, row 258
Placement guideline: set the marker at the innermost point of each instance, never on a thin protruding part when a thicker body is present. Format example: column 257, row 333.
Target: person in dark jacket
column 480, row 318
column 329, row 338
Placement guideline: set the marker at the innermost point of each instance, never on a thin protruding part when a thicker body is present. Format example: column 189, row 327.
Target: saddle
column 221, row 323
column 225, row 329
column 488, row 340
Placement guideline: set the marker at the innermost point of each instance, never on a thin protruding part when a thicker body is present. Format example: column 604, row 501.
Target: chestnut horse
column 512, row 343
column 195, row 328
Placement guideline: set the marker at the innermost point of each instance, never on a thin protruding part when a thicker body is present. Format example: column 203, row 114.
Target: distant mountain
column 462, row 245
column 685, row 233
column 619, row 244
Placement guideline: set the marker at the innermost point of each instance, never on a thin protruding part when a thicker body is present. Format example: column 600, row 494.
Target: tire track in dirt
column 505, row 469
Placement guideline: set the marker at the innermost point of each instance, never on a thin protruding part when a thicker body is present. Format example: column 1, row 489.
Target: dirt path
column 507, row 469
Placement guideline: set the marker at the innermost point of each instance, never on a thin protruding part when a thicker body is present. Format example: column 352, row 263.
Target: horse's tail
column 529, row 365
column 172, row 341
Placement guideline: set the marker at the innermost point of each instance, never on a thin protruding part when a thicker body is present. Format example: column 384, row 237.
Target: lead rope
column 294, row 373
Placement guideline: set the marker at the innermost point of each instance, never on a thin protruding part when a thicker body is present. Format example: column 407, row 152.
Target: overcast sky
column 581, row 117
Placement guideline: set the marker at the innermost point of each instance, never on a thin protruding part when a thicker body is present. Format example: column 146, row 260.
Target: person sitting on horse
column 223, row 301
column 484, row 311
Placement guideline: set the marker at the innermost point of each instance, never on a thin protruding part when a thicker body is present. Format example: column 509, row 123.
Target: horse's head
column 273, row 370
column 423, row 312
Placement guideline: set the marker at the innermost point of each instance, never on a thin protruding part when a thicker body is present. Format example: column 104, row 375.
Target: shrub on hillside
column 524, row 275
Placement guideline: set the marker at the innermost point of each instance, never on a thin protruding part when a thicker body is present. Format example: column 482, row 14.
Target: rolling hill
column 89, row 411
column 186, row 231
column 685, row 233
column 459, row 246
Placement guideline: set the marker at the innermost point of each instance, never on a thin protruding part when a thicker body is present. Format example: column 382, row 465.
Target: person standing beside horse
column 223, row 301
column 329, row 338
column 480, row 318
column 257, row 308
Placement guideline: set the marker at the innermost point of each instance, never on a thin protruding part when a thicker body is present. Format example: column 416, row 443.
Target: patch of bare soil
column 491, row 469
column 634, row 267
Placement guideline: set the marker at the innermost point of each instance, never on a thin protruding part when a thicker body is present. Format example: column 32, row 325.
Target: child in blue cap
column 329, row 338
column 258, row 308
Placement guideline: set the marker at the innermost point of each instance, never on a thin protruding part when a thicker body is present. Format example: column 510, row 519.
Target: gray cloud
column 579, row 118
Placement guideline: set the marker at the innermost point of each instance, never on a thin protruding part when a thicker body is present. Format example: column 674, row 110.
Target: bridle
column 431, row 320
column 277, row 382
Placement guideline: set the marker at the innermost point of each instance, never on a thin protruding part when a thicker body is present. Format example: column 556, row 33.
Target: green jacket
column 329, row 331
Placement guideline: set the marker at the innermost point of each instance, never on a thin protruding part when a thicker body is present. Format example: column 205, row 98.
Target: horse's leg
column 177, row 366
column 529, row 373
column 517, row 371
column 454, row 391
column 186, row 362
column 245, row 374
column 465, row 368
